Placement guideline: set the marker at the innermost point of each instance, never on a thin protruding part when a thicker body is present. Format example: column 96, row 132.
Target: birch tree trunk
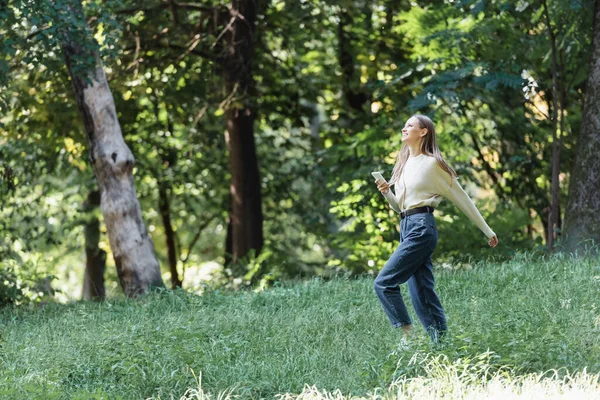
column 582, row 215
column 133, row 251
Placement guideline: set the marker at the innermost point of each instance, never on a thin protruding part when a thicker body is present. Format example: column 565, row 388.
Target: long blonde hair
column 429, row 147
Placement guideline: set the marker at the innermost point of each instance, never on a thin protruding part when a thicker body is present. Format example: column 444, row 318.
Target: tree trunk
column 169, row 159
column 246, row 212
column 554, row 216
column 229, row 242
column 165, row 213
column 133, row 251
column 95, row 265
column 246, row 203
column 582, row 214
column 543, row 213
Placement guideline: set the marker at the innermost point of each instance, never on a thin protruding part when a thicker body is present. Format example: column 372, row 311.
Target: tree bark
column 582, row 214
column 229, row 242
column 246, row 201
column 169, row 159
column 95, row 265
column 133, row 251
column 165, row 213
column 544, row 213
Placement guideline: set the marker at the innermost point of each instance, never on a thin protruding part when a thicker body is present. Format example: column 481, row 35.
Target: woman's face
column 412, row 131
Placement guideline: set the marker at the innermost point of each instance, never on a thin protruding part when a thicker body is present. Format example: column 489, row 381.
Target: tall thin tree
column 557, row 112
column 95, row 263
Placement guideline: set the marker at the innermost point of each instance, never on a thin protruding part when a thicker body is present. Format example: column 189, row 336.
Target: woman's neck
column 414, row 151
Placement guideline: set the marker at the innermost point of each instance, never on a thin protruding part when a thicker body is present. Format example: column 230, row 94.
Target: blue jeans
column 411, row 262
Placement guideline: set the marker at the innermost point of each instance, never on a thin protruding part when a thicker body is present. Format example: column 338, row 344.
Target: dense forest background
column 254, row 126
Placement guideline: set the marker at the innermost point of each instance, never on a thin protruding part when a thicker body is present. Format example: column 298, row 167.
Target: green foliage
column 461, row 242
column 334, row 83
column 23, row 282
column 527, row 315
column 8, row 48
column 461, row 68
column 10, row 290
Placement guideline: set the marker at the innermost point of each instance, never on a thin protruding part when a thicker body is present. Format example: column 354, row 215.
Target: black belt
column 417, row 210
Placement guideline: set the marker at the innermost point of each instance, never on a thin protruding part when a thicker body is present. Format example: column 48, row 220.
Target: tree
column 582, row 215
column 557, row 109
column 95, row 264
column 246, row 216
column 111, row 158
column 225, row 36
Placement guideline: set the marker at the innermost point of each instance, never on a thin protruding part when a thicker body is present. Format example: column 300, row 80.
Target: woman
column 420, row 177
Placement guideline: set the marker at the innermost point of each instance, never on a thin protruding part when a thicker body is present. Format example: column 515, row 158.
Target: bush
column 21, row 284
column 10, row 290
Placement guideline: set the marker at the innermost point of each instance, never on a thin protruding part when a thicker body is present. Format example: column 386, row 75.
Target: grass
column 519, row 328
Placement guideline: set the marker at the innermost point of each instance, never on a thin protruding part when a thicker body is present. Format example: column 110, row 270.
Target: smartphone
column 377, row 175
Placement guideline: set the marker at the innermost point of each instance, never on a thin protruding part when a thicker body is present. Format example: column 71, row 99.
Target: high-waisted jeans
column 411, row 262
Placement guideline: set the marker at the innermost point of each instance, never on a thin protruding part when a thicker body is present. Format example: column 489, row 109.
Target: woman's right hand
column 493, row 242
column 383, row 186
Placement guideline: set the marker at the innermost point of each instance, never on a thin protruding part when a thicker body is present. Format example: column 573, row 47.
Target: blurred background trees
column 255, row 125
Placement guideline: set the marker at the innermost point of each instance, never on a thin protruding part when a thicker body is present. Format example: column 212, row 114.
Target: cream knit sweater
column 423, row 182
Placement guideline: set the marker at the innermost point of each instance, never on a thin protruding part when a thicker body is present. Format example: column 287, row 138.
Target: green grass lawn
column 527, row 326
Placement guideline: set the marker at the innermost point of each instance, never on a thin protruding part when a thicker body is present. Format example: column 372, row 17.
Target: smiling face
column 412, row 132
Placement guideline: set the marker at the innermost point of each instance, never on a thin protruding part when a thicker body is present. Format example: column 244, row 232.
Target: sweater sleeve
column 393, row 200
column 452, row 190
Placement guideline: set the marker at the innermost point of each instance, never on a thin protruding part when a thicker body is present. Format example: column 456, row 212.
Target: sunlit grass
column 511, row 326
column 447, row 380
column 453, row 384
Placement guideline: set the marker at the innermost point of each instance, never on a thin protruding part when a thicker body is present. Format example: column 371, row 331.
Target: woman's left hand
column 493, row 241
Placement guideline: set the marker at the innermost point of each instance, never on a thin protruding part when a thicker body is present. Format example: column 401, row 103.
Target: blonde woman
column 421, row 177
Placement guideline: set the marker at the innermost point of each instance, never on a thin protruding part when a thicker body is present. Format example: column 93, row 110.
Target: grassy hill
column 517, row 328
